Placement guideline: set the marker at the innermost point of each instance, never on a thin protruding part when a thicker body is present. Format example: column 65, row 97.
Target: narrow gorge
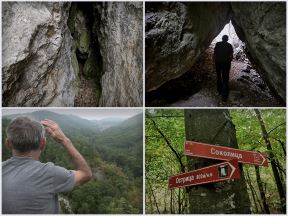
column 72, row 54
column 179, row 64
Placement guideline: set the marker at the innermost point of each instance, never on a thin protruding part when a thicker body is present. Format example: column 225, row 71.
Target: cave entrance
column 198, row 86
column 86, row 55
column 230, row 31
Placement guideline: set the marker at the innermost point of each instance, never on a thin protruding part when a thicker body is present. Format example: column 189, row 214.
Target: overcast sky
column 86, row 113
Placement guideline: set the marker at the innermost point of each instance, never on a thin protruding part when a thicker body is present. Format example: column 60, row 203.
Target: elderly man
column 29, row 186
column 223, row 55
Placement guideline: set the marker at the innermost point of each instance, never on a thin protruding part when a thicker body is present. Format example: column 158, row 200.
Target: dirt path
column 246, row 88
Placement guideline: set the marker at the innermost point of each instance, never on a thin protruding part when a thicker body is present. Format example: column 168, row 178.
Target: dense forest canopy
column 164, row 140
column 114, row 150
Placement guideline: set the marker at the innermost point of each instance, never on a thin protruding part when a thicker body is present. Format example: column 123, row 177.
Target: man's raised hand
column 54, row 130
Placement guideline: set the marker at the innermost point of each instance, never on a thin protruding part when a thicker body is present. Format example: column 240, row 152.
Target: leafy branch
column 178, row 156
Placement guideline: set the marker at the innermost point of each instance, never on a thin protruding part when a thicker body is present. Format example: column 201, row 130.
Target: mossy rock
column 84, row 42
column 75, row 64
column 92, row 68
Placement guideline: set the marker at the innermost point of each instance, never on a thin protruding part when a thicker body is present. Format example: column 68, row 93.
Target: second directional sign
column 215, row 173
column 224, row 153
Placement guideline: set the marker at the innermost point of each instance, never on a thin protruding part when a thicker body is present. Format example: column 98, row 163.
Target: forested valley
column 112, row 147
column 261, row 130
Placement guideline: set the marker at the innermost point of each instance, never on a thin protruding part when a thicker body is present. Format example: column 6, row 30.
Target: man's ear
column 42, row 144
column 8, row 144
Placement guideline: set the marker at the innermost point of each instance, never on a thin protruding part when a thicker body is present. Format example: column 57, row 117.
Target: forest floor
column 197, row 87
column 86, row 96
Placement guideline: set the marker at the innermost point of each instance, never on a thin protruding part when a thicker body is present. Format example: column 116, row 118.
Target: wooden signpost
column 215, row 173
column 218, row 172
column 204, row 150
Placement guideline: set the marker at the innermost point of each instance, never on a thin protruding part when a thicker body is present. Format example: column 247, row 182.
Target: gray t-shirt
column 31, row 187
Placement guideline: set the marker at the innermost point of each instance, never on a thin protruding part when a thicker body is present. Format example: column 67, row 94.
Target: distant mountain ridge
column 64, row 121
column 72, row 121
column 108, row 122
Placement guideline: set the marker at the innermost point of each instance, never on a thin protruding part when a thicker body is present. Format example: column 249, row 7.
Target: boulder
column 176, row 33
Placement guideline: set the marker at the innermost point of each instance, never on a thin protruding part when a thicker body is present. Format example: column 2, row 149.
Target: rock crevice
column 87, row 59
column 47, row 63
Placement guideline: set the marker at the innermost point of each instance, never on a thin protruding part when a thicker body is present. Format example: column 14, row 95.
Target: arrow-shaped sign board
column 215, row 173
column 204, row 150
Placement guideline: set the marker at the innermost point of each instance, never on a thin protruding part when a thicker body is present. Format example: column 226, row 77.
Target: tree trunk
column 150, row 202
column 273, row 163
column 227, row 197
column 261, row 190
column 253, row 193
column 154, row 197
column 171, row 201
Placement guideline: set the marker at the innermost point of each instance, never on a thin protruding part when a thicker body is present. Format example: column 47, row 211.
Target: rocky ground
column 86, row 96
column 197, row 88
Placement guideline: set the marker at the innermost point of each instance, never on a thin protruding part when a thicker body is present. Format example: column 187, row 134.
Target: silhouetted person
column 223, row 55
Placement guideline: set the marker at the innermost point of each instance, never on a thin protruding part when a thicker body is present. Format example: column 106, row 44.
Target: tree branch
column 169, row 145
column 283, row 123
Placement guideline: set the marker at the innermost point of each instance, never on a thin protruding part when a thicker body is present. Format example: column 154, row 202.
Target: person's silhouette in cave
column 223, row 55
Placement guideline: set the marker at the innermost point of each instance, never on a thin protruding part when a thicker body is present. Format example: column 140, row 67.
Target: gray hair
column 25, row 134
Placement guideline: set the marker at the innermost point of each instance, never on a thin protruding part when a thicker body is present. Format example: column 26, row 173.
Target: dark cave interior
column 88, row 63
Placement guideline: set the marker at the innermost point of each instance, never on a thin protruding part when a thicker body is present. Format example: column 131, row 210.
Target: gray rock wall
column 119, row 30
column 175, row 36
column 36, row 61
column 263, row 28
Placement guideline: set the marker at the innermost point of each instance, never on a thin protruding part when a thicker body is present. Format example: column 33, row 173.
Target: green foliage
column 161, row 162
column 115, row 156
column 250, row 138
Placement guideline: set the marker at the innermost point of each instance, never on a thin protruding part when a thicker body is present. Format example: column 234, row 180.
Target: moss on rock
column 91, row 66
column 84, row 41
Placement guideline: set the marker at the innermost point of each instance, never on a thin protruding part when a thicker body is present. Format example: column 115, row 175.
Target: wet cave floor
column 197, row 88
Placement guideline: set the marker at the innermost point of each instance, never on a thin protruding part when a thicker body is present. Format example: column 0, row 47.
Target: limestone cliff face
column 36, row 61
column 119, row 30
column 262, row 25
column 49, row 48
column 175, row 36
column 177, row 33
